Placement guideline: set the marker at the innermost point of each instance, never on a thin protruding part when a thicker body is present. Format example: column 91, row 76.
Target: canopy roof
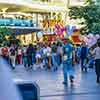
column 23, row 30
column 31, row 6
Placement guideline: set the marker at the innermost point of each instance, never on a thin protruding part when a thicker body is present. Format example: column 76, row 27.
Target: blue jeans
column 58, row 59
column 83, row 62
column 54, row 60
column 67, row 69
column 25, row 62
column 33, row 58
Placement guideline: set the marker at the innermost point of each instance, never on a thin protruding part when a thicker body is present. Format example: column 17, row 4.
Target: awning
column 23, row 30
column 31, row 6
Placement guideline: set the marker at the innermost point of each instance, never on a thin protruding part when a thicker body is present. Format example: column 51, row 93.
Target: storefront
column 27, row 17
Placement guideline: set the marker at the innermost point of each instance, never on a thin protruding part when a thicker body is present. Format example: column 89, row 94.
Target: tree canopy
column 4, row 33
column 90, row 12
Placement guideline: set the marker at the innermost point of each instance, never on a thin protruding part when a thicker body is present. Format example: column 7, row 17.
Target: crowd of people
column 41, row 55
column 51, row 56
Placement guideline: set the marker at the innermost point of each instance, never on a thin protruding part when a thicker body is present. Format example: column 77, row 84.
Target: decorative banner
column 59, row 29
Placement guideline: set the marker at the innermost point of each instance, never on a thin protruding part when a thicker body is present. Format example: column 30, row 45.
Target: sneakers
column 65, row 83
column 71, row 79
column 84, row 69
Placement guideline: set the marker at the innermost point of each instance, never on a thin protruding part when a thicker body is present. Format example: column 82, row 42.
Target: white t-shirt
column 48, row 51
column 96, row 53
column 59, row 50
column 19, row 51
column 45, row 51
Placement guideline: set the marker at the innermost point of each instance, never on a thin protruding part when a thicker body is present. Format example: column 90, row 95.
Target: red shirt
column 4, row 51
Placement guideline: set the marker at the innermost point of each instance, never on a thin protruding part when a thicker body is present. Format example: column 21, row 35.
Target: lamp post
column 67, row 4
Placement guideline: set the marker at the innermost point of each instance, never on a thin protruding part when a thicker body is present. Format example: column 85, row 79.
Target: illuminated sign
column 16, row 22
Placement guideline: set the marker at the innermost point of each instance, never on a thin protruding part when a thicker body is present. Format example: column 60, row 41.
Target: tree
column 4, row 32
column 90, row 12
column 7, row 37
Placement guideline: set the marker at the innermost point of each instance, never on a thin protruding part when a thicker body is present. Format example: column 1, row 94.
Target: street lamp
column 67, row 4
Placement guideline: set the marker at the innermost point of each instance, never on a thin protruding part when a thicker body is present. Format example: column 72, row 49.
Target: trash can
column 29, row 90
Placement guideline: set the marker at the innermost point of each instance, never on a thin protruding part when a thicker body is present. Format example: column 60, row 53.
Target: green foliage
column 90, row 12
column 3, row 33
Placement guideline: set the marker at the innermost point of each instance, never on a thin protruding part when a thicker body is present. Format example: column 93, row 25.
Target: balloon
column 40, row 34
column 90, row 40
column 70, row 38
column 70, row 29
column 97, row 36
column 90, row 35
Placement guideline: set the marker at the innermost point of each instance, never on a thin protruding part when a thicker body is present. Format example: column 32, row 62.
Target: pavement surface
column 51, row 87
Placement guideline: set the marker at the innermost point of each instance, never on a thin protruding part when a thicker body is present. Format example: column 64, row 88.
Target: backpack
column 12, row 52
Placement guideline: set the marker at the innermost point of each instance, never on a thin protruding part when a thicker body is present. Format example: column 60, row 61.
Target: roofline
column 38, row 6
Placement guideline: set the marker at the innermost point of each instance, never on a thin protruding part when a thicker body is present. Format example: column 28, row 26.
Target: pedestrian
column 38, row 56
column 30, row 50
column 96, row 53
column 78, row 51
column 84, row 56
column 49, row 55
column 34, row 55
column 59, row 54
column 19, row 55
column 24, row 56
column 45, row 58
column 68, row 59
column 12, row 56
column 54, row 57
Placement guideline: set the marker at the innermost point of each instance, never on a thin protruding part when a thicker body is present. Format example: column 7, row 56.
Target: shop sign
column 16, row 22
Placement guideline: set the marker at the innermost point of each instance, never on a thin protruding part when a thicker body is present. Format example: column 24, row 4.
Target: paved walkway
column 51, row 87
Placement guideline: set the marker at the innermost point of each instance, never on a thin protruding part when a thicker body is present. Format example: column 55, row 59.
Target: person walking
column 84, row 56
column 78, row 51
column 68, row 60
column 59, row 54
column 49, row 50
column 19, row 55
column 12, row 56
column 96, row 53
column 45, row 62
column 29, row 52
column 54, row 57
column 24, row 56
